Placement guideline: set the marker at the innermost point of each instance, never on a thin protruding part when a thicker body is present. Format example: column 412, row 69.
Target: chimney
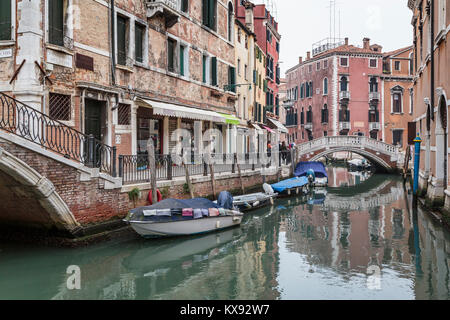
column 300, row 60
column 366, row 43
column 249, row 16
column 346, row 41
column 308, row 55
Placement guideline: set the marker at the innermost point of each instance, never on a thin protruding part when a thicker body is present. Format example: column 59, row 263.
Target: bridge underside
column 382, row 163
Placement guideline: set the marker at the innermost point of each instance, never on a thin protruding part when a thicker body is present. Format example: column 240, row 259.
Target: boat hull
column 149, row 229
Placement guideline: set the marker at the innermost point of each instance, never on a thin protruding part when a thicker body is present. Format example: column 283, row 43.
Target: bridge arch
column 30, row 199
column 366, row 154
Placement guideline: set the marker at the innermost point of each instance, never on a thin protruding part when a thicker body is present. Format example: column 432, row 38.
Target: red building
column 268, row 39
column 336, row 91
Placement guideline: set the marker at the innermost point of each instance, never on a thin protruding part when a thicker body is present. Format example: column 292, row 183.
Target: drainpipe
column 113, row 45
column 432, row 58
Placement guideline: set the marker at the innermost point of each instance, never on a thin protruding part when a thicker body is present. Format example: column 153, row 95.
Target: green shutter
column 170, row 55
column 214, row 71
column 204, row 69
column 182, row 60
column 212, row 14
column 139, row 35
column 231, row 79
column 205, row 10
column 265, row 85
column 5, row 20
column 56, row 22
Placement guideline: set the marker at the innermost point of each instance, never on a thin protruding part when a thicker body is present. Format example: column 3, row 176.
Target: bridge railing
column 348, row 141
column 28, row 123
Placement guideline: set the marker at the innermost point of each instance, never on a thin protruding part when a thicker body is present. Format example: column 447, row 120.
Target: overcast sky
column 304, row 22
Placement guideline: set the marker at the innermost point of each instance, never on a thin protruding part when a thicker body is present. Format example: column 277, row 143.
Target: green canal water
column 359, row 239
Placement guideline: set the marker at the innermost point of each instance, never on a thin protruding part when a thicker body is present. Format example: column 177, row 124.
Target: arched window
column 310, row 88
column 325, row 86
column 344, row 84
column 373, row 85
column 307, row 90
column 230, row 22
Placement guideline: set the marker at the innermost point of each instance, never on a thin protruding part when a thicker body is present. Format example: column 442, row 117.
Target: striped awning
column 278, row 124
column 176, row 111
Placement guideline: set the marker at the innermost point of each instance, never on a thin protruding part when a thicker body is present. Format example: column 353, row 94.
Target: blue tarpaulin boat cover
column 290, row 183
column 225, row 200
column 318, row 168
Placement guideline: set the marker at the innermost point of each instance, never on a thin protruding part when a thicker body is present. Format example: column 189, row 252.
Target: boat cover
column 225, row 200
column 290, row 183
column 198, row 203
column 318, row 168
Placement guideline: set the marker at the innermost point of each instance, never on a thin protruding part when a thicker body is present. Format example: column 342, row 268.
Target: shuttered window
column 204, row 68
column 214, row 71
column 5, row 20
column 139, row 40
column 232, row 79
column 209, row 13
column 171, row 45
column 121, row 40
column 56, row 22
column 182, row 49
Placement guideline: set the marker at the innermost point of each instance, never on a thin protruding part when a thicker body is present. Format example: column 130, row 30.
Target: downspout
column 113, row 45
column 432, row 58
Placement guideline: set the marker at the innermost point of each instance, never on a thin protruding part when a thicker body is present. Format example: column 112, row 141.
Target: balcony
column 166, row 8
column 309, row 126
column 374, row 126
column 288, row 104
column 374, row 96
column 344, row 95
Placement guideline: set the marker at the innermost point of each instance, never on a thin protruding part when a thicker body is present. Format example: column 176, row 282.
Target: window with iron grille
column 60, row 106
column 124, row 114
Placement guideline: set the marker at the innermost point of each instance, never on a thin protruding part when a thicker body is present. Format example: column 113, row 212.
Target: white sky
column 304, row 22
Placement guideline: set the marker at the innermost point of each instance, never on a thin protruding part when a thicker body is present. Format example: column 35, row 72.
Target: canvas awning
column 230, row 119
column 279, row 125
column 268, row 129
column 257, row 127
column 176, row 111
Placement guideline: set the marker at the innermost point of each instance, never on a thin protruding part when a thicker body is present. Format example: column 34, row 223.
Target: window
column 310, row 68
column 397, row 65
column 139, row 33
column 60, row 106
column 122, row 27
column 325, row 133
column 325, row 86
column 411, row 101
column 311, row 92
column 205, row 62
column 325, row 113
column 171, row 47
column 232, row 78
column 278, row 47
column 318, row 66
column 185, row 6
column 373, row 63
column 230, row 22
column 373, row 85
column 55, row 21
column 239, row 35
column 245, row 72
column 5, row 20
column 214, row 71
column 397, row 103
column 344, row 62
column 246, row 41
column 325, row 64
column 307, row 90
column 124, row 114
column 344, row 84
column 397, row 137
column 209, row 13
column 239, row 66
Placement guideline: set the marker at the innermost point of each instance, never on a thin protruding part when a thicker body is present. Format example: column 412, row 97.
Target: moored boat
column 291, row 187
column 255, row 201
column 314, row 171
column 174, row 217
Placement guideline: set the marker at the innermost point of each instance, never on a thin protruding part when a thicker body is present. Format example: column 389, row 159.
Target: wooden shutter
column 182, row 60
column 170, row 55
column 411, row 132
column 56, row 22
column 5, row 20
column 232, row 78
column 204, row 69
column 121, row 40
column 205, row 6
column 214, row 71
column 139, row 35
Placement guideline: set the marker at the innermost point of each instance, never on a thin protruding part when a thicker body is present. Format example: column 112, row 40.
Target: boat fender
column 289, row 192
column 271, row 201
column 217, row 224
column 150, row 196
column 296, row 191
column 256, row 203
column 247, row 205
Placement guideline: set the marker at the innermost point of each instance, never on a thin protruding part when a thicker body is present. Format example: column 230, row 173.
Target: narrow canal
column 358, row 239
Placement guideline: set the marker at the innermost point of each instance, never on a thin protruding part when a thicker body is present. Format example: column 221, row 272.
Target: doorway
column 95, row 124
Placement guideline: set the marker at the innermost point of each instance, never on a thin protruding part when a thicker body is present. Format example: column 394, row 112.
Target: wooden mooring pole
column 188, row 180
column 213, row 183
column 152, row 167
column 239, row 172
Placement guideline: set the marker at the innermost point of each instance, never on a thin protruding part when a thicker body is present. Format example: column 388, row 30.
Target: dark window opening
column 5, row 20
column 60, row 106
column 124, row 114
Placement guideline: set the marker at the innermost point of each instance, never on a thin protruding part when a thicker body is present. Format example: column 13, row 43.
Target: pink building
column 336, row 91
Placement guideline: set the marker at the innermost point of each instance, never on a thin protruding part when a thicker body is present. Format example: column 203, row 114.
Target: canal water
column 358, row 239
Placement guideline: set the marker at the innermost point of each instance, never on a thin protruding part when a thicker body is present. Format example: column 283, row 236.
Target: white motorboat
column 173, row 217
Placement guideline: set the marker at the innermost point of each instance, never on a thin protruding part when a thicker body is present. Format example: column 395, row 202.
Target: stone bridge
column 383, row 155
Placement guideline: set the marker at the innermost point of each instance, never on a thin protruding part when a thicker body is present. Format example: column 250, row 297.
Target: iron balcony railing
column 134, row 169
column 26, row 122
